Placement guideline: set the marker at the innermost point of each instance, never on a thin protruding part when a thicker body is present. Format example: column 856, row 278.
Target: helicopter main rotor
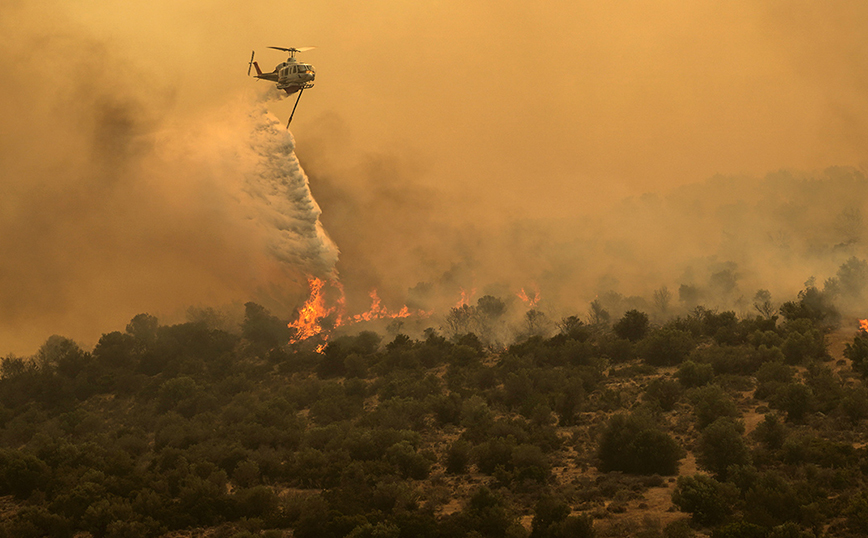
column 292, row 50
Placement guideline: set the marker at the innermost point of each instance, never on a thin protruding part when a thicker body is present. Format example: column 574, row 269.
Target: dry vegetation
column 708, row 424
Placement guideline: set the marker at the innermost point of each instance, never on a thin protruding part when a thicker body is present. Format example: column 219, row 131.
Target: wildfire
column 378, row 311
column 314, row 310
column 310, row 315
column 465, row 297
column 863, row 324
column 531, row 302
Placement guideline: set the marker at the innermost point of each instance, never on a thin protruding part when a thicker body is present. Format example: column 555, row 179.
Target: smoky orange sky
column 472, row 144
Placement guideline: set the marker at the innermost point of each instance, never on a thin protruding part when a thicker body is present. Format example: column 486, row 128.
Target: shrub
column 666, row 347
column 857, row 513
column 795, row 399
column 771, row 432
column 633, row 326
column 799, row 347
column 854, row 404
column 665, row 392
column 770, row 377
column 739, row 529
column 789, row 530
column 772, row 501
column 812, row 305
column 857, row 352
column 720, row 445
column 552, row 520
column 21, row 473
column 691, row 374
column 634, row 444
column 711, row 403
column 707, row 501
column 457, row 457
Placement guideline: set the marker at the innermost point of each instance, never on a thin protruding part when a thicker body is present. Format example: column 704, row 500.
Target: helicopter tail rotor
column 250, row 64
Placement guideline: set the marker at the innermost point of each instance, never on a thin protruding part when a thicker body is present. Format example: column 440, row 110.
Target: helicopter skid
column 291, row 89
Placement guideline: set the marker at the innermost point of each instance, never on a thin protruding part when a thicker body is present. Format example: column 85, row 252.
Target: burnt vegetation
column 707, row 423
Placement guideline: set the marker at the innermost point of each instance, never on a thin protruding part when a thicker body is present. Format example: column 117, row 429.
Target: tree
column 666, row 392
column 813, row 305
column 536, row 323
column 489, row 313
column 143, row 327
column 762, row 302
column 573, row 327
column 796, row 399
column 857, row 513
column 770, row 377
column 460, row 320
column 457, row 457
column 599, row 316
column 857, row 352
column 711, row 403
column 552, row 520
column 662, row 298
column 771, row 432
column 850, row 281
column 262, row 329
column 635, row 444
column 486, row 514
column 21, row 473
column 633, row 326
column 708, row 501
column 721, row 445
column 692, row 374
column 666, row 347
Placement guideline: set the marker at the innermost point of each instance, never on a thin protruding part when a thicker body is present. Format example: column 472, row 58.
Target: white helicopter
column 290, row 76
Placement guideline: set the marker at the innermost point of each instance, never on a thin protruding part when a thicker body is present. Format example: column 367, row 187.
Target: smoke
column 114, row 205
column 571, row 149
column 716, row 242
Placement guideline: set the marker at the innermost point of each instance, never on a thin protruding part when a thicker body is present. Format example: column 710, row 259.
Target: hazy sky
column 465, row 119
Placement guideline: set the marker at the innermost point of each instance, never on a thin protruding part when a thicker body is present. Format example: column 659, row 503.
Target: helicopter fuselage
column 290, row 76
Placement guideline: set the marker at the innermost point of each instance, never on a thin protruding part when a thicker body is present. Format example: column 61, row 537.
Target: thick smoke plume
column 132, row 182
column 113, row 207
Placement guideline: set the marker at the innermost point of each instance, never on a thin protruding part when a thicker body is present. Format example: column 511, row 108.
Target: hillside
column 708, row 424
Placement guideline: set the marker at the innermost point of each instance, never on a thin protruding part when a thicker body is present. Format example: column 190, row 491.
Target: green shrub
column 666, row 347
column 720, row 445
column 771, row 432
column 711, row 403
column 457, row 457
column 739, row 529
column 770, row 377
column 795, row 399
column 665, row 392
column 633, row 326
column 691, row 374
column 708, row 501
column 857, row 352
column 635, row 444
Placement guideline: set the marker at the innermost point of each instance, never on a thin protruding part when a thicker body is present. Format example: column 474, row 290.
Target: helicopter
column 290, row 75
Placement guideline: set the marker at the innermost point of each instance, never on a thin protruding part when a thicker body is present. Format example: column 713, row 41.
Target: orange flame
column 310, row 315
column 465, row 297
column 314, row 310
column 863, row 324
column 530, row 302
column 378, row 311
